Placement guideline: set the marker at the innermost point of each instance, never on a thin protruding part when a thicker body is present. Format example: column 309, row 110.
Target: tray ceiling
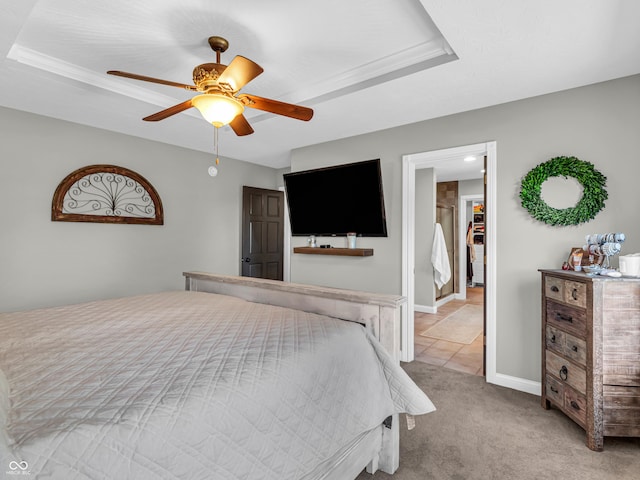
column 362, row 65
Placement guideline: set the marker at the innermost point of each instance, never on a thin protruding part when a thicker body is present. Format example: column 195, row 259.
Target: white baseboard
column 425, row 309
column 439, row 303
column 515, row 383
column 446, row 299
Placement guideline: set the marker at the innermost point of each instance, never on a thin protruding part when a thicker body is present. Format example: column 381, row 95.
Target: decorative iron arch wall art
column 106, row 194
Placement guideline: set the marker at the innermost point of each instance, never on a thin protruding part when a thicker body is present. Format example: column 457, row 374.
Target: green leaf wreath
column 593, row 194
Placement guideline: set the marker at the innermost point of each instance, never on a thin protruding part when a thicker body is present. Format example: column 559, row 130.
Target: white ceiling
column 362, row 65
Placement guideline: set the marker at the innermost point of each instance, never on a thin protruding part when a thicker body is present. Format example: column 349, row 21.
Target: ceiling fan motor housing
column 206, row 76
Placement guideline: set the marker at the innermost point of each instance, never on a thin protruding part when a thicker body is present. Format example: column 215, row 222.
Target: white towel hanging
column 440, row 258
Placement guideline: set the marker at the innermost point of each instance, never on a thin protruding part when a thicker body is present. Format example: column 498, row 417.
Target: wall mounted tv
column 335, row 200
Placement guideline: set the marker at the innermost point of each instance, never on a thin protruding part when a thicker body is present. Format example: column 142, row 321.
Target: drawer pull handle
column 575, row 348
column 555, row 289
column 564, row 373
column 553, row 339
column 554, row 389
column 574, row 294
column 564, row 318
column 575, row 405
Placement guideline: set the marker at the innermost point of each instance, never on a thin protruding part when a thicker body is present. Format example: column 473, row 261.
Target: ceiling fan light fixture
column 219, row 85
column 217, row 109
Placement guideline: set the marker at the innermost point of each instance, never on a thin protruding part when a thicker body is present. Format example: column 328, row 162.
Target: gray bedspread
column 187, row 385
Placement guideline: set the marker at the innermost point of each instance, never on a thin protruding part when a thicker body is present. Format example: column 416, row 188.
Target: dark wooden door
column 262, row 233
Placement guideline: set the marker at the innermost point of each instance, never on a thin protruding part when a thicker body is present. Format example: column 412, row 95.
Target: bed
column 233, row 378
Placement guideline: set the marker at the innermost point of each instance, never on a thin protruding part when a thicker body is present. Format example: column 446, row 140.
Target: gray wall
column 596, row 123
column 46, row 263
column 470, row 187
column 425, row 292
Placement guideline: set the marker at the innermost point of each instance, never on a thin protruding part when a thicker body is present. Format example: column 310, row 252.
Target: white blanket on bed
column 189, row 385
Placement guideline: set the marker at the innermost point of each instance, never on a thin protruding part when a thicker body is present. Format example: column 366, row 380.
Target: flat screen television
column 334, row 201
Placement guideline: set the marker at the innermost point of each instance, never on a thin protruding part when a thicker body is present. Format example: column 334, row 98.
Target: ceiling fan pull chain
column 213, row 171
column 216, row 143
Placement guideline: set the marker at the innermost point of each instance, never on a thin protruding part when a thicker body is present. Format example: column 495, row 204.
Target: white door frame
column 286, row 260
column 410, row 163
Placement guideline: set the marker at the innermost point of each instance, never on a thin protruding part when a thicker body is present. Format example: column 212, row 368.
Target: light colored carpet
column 462, row 326
column 484, row 432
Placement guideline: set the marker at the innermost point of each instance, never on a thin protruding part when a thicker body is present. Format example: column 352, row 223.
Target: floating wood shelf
column 348, row 252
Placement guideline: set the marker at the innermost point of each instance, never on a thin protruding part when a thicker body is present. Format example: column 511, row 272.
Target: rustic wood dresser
column 591, row 352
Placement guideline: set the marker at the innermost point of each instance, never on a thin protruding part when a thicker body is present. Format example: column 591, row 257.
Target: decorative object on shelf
column 106, row 194
column 351, row 240
column 593, row 196
column 311, row 241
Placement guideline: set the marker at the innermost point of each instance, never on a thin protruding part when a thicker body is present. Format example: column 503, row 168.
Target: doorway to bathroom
column 482, row 295
column 452, row 334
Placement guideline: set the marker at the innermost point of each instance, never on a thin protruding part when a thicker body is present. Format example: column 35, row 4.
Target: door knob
column 247, row 259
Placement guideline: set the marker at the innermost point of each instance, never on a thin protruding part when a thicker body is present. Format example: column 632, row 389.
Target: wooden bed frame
column 379, row 313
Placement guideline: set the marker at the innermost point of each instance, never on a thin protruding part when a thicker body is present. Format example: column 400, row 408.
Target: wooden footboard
column 379, row 313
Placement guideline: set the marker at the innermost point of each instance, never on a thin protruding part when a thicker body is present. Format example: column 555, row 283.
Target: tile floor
column 456, row 356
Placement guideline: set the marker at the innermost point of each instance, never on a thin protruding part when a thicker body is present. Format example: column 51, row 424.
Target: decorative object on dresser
column 106, row 194
column 591, row 352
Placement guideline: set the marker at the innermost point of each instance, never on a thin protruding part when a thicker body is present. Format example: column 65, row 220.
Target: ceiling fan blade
column 151, row 79
column 241, row 126
column 239, row 72
column 169, row 111
column 274, row 106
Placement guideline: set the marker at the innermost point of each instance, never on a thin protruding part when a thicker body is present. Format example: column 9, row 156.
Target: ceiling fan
column 219, row 101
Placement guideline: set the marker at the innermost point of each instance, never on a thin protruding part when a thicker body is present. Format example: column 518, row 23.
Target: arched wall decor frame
column 106, row 194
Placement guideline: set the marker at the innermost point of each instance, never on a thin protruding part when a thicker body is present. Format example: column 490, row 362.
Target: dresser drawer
column 575, row 349
column 566, row 345
column 575, row 405
column 567, row 318
column 566, row 371
column 575, row 293
column 555, row 390
column 555, row 339
column 569, row 400
column 554, row 288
